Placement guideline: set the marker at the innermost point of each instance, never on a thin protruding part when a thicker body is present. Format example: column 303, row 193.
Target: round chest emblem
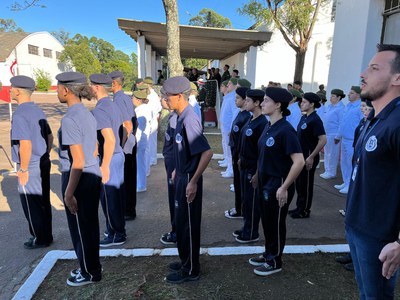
column 178, row 138
column 270, row 142
column 249, row 132
column 304, row 126
column 371, row 144
column 235, row 128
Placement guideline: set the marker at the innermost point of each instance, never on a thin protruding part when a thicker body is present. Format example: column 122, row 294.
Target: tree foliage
column 9, row 25
column 43, row 80
column 23, row 5
column 209, row 18
column 295, row 19
column 61, row 35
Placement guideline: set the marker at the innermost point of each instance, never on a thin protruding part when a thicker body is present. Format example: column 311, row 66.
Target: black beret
column 176, row 85
column 71, row 78
column 338, row 92
column 241, row 91
column 23, row 82
column 278, row 94
column 100, row 79
column 255, row 94
column 116, row 74
column 313, row 98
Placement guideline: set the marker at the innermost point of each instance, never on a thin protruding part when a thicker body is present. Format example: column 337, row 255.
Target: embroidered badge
column 371, row 144
column 270, row 142
column 249, row 132
column 304, row 126
column 167, row 137
column 235, row 128
column 178, row 138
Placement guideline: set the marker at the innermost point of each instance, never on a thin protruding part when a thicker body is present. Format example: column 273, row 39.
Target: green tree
column 61, row 35
column 43, row 80
column 22, row 5
column 9, row 25
column 295, row 19
column 209, row 18
column 197, row 63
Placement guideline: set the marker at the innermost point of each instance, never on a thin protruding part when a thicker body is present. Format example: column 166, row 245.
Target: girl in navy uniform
column 280, row 161
column 109, row 120
column 237, row 124
column 248, row 156
column 29, row 135
column 81, row 176
column 192, row 154
column 311, row 134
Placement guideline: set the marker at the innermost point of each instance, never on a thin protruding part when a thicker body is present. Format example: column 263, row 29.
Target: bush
column 43, row 80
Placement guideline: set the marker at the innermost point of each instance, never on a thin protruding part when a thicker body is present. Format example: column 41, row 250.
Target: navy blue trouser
column 251, row 205
column 188, row 224
column 169, row 168
column 305, row 190
column 84, row 226
column 130, row 181
column 236, row 182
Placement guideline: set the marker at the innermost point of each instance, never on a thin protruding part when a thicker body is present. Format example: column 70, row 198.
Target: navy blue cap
column 313, row 98
column 23, row 82
column 100, row 79
column 241, row 91
column 116, row 74
column 255, row 94
column 278, row 94
column 176, row 85
column 71, row 78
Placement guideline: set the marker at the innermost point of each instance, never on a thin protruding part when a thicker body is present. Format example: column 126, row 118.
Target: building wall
column 27, row 63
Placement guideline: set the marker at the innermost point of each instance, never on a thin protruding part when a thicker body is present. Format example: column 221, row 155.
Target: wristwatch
column 23, row 171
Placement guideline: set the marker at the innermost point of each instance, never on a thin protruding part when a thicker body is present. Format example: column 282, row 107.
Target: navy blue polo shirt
column 78, row 127
column 27, row 122
column 373, row 201
column 237, row 125
column 249, row 136
column 190, row 142
column 309, row 129
column 276, row 144
column 107, row 115
column 168, row 149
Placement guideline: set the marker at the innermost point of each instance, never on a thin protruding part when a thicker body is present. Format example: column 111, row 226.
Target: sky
column 99, row 18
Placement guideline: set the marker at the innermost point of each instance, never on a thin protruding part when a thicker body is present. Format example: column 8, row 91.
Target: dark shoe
column 181, row 276
column 175, row 266
column 168, row 238
column 349, row 267
column 31, row 244
column 300, row 215
column 236, row 233
column 80, row 280
column 233, row 214
column 241, row 239
column 130, row 217
column 267, row 269
column 257, row 261
column 108, row 242
column 293, row 210
column 344, row 259
column 75, row 272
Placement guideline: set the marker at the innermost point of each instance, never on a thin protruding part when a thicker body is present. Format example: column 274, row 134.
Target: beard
column 376, row 92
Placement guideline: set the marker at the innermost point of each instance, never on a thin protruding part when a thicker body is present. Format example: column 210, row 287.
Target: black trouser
column 251, row 207
column 188, row 224
column 45, row 167
column 169, row 168
column 236, row 182
column 273, row 219
column 305, row 190
column 130, row 183
column 84, row 226
column 37, row 208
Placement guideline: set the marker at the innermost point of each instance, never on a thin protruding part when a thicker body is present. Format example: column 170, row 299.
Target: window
column 47, row 53
column 58, row 54
column 391, row 6
column 33, row 50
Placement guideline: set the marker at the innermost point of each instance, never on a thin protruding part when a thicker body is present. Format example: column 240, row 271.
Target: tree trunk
column 173, row 47
column 300, row 59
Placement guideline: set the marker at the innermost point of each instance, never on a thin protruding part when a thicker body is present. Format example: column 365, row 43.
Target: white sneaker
column 231, row 185
column 342, row 212
column 227, row 175
column 232, row 189
column 222, row 161
column 141, row 190
column 326, row 176
column 339, row 186
column 344, row 190
column 224, row 165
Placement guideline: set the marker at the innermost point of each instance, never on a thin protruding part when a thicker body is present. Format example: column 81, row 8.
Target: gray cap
column 100, row 79
column 23, row 82
column 116, row 74
column 71, row 78
column 176, row 85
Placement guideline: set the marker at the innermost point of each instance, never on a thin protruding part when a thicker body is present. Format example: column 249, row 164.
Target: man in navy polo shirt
column 373, row 202
column 192, row 154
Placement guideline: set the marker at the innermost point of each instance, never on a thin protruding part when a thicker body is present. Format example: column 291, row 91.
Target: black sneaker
column 75, row 272
column 168, row 238
column 290, row 211
column 344, row 259
column 236, row 233
column 80, row 280
column 257, row 261
column 233, row 214
column 31, row 244
column 175, row 266
column 267, row 269
column 108, row 242
column 241, row 239
column 130, row 217
column 349, row 267
column 181, row 276
column 300, row 215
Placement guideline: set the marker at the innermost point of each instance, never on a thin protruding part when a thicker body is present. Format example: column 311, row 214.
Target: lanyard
column 366, row 131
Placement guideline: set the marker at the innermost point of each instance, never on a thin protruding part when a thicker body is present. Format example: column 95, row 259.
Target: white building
column 30, row 51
